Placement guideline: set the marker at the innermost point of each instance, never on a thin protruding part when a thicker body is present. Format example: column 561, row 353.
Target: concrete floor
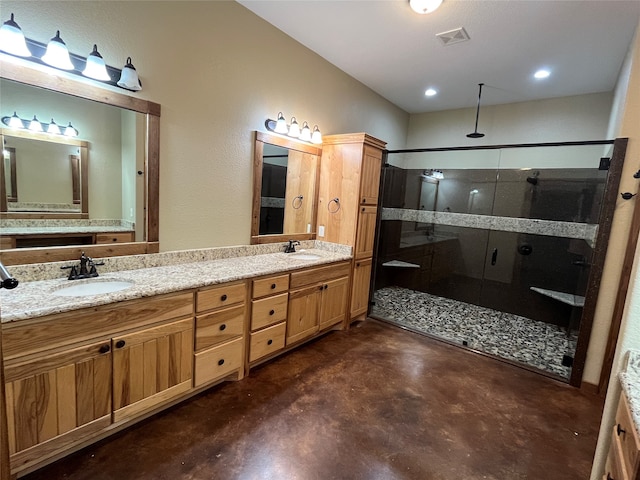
column 377, row 403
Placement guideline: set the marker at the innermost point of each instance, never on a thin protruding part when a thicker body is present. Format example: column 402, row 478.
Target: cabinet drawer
column 625, row 432
column 268, row 311
column 267, row 341
column 270, row 285
column 219, row 326
column 218, row 362
column 114, row 237
column 320, row 274
column 615, row 467
column 222, row 296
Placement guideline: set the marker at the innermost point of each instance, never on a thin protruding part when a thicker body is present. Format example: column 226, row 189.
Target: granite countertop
column 630, row 381
column 36, row 298
column 63, row 230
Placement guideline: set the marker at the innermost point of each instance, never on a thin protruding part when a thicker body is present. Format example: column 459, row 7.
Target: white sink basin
column 304, row 256
column 93, row 288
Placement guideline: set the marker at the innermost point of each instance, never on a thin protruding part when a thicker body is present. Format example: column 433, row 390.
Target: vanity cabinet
column 347, row 202
column 623, row 460
column 219, row 335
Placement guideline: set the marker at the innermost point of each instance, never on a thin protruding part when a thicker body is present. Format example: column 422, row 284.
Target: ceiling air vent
column 453, row 36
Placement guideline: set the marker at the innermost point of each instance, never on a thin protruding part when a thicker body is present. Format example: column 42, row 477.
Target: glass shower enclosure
column 491, row 248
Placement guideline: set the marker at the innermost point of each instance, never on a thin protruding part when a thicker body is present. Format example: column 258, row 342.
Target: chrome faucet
column 86, row 268
column 6, row 280
column 291, row 248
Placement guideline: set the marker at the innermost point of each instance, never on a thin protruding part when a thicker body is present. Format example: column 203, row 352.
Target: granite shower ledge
column 36, row 299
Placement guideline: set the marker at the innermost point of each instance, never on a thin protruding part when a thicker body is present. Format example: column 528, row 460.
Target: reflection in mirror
column 285, row 178
column 99, row 193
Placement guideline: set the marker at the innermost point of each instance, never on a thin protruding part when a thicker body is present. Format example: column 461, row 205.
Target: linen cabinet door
column 366, row 232
column 370, row 176
column 56, row 399
column 304, row 311
column 333, row 308
column 151, row 366
column 360, row 288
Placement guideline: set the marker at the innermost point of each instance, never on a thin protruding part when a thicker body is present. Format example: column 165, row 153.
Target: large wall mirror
column 96, row 192
column 285, row 180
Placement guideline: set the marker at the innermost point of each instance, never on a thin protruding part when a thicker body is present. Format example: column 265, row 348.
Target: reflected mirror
column 97, row 192
column 285, row 185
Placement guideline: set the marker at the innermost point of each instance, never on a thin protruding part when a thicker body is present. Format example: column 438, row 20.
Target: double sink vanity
column 86, row 358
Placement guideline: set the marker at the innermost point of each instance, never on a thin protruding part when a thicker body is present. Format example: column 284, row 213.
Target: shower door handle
column 494, row 256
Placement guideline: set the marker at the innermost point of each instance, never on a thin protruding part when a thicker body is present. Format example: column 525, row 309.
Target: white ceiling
column 394, row 51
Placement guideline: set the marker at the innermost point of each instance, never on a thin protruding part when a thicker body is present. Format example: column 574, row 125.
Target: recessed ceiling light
column 542, row 74
column 424, row 6
column 431, row 92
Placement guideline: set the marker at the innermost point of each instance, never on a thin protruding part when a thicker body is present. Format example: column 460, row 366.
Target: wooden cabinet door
column 304, row 313
column 151, row 366
column 360, row 289
column 370, row 176
column 366, row 232
column 333, row 307
column 62, row 394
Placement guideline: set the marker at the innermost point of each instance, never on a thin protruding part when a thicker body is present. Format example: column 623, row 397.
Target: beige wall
column 218, row 71
column 625, row 122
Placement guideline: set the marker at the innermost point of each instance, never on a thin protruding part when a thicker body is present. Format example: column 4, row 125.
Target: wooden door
column 360, row 288
column 370, row 176
column 151, row 366
column 333, row 307
column 366, row 232
column 62, row 394
column 304, row 313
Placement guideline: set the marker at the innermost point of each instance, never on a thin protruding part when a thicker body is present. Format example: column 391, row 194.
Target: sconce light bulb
column 129, row 77
column 53, row 128
column 294, row 128
column 57, row 54
column 305, row 133
column 12, row 39
column 281, row 124
column 35, row 125
column 316, row 136
column 15, row 121
column 96, row 68
column 69, row 131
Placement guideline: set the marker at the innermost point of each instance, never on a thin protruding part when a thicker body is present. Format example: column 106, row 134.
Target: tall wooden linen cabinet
column 348, row 205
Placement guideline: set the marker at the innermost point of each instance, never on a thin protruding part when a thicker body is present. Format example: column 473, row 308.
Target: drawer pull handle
column 269, row 342
column 221, row 362
column 271, row 312
column 364, row 200
column 223, row 297
column 223, row 327
column 326, row 286
column 273, row 286
column 363, row 209
column 120, row 343
column 321, row 287
column 620, row 430
column 104, row 348
column 609, row 477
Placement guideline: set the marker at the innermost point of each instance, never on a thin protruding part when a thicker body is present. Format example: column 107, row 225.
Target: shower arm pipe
column 478, row 107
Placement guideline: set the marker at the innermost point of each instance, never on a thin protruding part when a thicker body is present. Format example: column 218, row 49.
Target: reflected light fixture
column 305, row 133
column 53, row 128
column 13, row 121
column 35, row 125
column 316, row 136
column 281, row 124
column 96, row 68
column 294, row 128
column 129, row 77
column 69, row 131
column 57, row 54
column 424, row 6
column 12, row 39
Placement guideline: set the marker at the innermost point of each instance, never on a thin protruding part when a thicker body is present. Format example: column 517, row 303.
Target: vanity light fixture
column 57, row 54
column 95, row 67
column 294, row 128
column 12, row 39
column 305, row 134
column 424, row 6
column 35, row 125
column 129, row 77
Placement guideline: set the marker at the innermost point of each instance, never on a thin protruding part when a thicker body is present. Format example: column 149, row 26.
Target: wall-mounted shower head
column 533, row 179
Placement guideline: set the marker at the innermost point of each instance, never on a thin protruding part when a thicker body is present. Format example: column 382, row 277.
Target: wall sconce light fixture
column 15, row 122
column 305, row 134
column 56, row 54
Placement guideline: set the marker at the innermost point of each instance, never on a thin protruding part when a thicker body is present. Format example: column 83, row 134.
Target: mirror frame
column 83, row 147
column 10, row 69
column 280, row 141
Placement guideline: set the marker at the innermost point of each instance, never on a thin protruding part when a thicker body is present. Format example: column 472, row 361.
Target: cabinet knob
column 104, row 348
column 273, row 286
column 321, row 287
column 269, row 342
column 223, row 297
column 120, row 343
column 363, row 209
column 620, row 430
column 364, row 200
column 223, row 326
column 357, row 264
column 326, row 286
column 271, row 312
column 221, row 362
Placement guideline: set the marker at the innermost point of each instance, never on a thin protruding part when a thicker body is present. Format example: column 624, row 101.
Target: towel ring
column 299, row 199
column 337, row 200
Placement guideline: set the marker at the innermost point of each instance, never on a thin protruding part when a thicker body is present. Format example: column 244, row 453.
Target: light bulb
column 35, row 125
column 281, row 124
column 15, row 121
column 12, row 39
column 316, row 136
column 294, row 128
column 57, row 54
column 69, row 131
column 305, row 133
column 95, row 67
column 53, row 128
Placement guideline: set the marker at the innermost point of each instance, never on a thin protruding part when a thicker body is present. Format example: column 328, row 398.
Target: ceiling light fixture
column 424, row 6
column 540, row 74
column 431, row 92
column 305, row 134
column 12, row 39
column 57, row 54
column 475, row 133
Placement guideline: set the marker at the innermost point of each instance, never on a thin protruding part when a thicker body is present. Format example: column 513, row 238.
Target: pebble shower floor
column 531, row 342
